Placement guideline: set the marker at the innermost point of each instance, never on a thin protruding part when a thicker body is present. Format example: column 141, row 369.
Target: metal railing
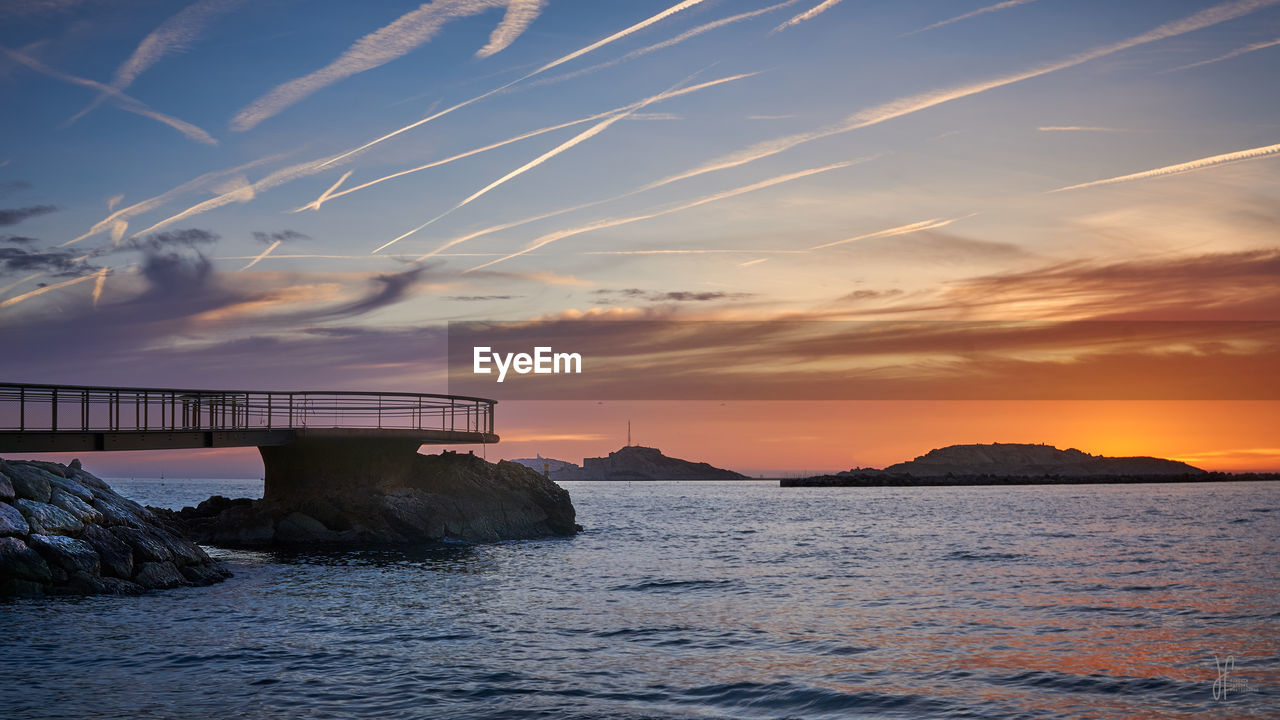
column 76, row 408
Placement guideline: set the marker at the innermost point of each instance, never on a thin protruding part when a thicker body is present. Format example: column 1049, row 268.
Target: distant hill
column 1022, row 460
column 643, row 463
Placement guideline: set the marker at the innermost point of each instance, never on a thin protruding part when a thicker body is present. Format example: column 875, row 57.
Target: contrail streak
column 696, row 251
column 16, row 283
column 893, row 232
column 122, row 216
column 923, row 101
column 579, row 138
column 124, row 102
column 554, row 63
column 808, row 14
column 1193, row 165
column 615, row 222
column 173, row 35
column 749, row 263
column 688, row 34
column 40, row 291
column 975, row 13
column 388, row 43
column 98, row 285
column 261, row 255
column 1234, row 53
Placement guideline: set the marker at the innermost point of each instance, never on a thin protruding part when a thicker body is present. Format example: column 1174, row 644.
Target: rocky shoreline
column 883, row 479
column 449, row 496
column 64, row 531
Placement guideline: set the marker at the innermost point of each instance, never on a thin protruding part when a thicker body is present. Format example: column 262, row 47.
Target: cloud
column 1190, row 166
column 611, row 297
column 54, row 262
column 910, row 104
column 20, row 239
column 388, row 43
column 13, row 216
column 388, row 289
column 13, row 186
column 122, row 101
column 981, row 11
column 549, row 238
column 278, row 237
column 42, row 290
column 684, row 5
column 480, row 298
column 1233, row 54
column 809, row 14
column 165, row 241
column 570, row 143
column 1076, row 128
column 173, row 35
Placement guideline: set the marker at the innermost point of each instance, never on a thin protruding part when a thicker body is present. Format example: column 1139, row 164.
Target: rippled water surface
column 708, row 600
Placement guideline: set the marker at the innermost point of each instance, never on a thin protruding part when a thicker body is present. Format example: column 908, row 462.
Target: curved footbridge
column 310, row 441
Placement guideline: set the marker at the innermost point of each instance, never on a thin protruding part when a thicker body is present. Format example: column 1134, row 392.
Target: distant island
column 633, row 462
column 1018, row 464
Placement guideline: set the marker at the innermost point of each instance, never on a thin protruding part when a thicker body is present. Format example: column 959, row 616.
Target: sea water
column 707, row 600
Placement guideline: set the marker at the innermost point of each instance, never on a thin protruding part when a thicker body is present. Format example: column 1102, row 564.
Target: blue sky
column 720, row 158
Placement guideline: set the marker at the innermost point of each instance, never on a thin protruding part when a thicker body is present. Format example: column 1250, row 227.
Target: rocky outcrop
column 64, row 531
column 1021, row 460
column 635, row 462
column 438, row 497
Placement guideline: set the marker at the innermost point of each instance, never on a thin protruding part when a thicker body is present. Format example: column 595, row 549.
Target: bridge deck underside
column 78, row 441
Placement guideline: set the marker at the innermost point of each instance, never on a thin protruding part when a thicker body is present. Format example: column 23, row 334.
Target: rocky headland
column 635, row 462
column 1014, row 464
column 435, row 497
column 65, row 532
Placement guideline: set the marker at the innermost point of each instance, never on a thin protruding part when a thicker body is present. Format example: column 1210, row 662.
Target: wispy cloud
column 809, row 14
column 615, row 222
column 124, row 102
column 173, row 35
column 686, row 4
column 388, row 43
column 575, row 140
column 1233, row 54
column 923, row 101
column 13, row 216
column 981, row 11
column 933, row 224
column 42, row 290
column 1190, row 166
column 749, row 263
column 1076, row 128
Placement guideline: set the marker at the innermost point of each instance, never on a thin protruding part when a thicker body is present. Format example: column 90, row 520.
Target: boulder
column 6, row 488
column 72, row 487
column 146, row 547
column 116, row 513
column 299, row 529
column 115, row 555
column 53, row 468
column 158, row 575
column 29, row 482
column 201, row 574
column 19, row 561
column 181, row 550
column 117, row 586
column 12, row 522
column 46, row 519
column 67, row 553
column 81, row 510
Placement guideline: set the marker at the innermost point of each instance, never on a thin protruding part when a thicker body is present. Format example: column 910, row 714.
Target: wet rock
column 53, row 468
column 115, row 555
column 117, row 586
column 81, row 510
column 68, row 553
column 6, row 488
column 158, row 575
column 181, row 550
column 19, row 561
column 297, row 529
column 29, row 482
column 46, row 519
column 12, row 522
column 201, row 574
column 146, row 547
column 116, row 513
column 85, row 478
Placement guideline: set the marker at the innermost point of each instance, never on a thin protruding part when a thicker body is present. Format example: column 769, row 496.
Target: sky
column 294, row 195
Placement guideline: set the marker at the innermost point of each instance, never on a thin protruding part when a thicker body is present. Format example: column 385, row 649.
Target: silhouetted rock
column 1019, row 460
column 83, row 538
column 446, row 496
column 635, row 462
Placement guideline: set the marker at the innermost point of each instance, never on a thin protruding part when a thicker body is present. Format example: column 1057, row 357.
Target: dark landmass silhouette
column 633, row 462
column 1019, row 464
